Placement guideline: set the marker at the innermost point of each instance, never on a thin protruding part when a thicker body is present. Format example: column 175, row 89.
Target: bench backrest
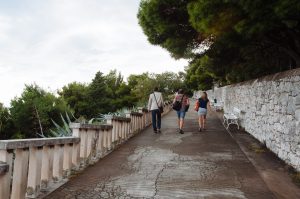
column 236, row 111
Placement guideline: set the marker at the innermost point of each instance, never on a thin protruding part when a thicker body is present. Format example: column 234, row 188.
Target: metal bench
column 232, row 118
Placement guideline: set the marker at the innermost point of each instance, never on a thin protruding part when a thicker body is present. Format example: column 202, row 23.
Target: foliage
column 241, row 39
column 62, row 130
column 6, row 123
column 33, row 111
column 38, row 113
column 76, row 96
column 142, row 85
column 166, row 23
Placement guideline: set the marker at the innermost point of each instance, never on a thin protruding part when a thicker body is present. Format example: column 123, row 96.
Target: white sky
column 55, row 42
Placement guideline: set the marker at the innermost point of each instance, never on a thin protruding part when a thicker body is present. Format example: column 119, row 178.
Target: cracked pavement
column 206, row 164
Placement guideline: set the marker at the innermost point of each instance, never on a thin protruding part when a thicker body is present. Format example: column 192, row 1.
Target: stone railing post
column 58, row 163
column 36, row 163
column 67, row 162
column 5, row 173
column 19, row 182
column 47, row 166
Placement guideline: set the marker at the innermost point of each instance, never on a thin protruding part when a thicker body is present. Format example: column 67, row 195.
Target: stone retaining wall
column 270, row 111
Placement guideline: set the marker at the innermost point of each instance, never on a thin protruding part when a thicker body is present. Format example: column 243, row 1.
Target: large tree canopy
column 243, row 39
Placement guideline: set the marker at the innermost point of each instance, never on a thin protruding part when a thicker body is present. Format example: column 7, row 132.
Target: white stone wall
column 270, row 111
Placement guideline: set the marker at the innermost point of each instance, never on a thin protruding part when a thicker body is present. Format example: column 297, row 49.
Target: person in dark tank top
column 202, row 111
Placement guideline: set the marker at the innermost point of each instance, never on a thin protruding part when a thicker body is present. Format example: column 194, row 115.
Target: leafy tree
column 142, row 85
column 6, row 124
column 76, row 96
column 198, row 77
column 242, row 39
column 99, row 96
column 33, row 111
column 166, row 23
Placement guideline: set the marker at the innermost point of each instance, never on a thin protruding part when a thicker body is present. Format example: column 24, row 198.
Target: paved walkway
column 170, row 165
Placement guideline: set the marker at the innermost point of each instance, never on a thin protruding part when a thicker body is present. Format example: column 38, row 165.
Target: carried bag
column 196, row 108
column 187, row 108
column 178, row 104
column 161, row 108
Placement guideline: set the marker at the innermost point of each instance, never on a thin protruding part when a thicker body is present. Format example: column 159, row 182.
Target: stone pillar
column 67, row 161
column 83, row 146
column 109, row 139
column 47, row 166
column 99, row 149
column 105, row 140
column 58, row 163
column 5, row 158
column 34, row 172
column 90, row 144
column 19, row 183
column 76, row 155
column 111, row 121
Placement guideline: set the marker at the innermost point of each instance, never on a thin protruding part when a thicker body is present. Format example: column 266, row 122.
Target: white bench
column 217, row 106
column 232, row 118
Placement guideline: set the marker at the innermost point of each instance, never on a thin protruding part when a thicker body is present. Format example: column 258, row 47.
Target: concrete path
column 209, row 164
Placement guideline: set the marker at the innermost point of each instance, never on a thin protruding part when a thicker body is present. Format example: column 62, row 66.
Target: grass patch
column 295, row 175
column 296, row 178
column 258, row 148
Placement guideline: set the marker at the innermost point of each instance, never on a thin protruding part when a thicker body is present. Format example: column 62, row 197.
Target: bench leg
column 224, row 120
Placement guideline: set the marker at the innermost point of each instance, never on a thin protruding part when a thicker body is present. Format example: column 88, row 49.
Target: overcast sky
column 55, row 42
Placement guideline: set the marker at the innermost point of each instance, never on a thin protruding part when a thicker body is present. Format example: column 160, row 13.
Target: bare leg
column 204, row 121
column 199, row 121
column 181, row 123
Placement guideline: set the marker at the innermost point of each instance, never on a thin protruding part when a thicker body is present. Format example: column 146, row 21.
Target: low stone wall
column 270, row 111
column 29, row 166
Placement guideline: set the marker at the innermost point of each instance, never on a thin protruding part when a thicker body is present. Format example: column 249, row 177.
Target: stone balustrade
column 28, row 166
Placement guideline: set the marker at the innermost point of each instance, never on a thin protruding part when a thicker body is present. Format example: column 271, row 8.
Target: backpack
column 177, row 104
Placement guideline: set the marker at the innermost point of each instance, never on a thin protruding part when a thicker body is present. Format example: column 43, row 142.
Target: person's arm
column 187, row 101
column 149, row 102
column 208, row 105
column 175, row 99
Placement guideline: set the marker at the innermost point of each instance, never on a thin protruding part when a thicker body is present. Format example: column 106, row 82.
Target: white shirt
column 152, row 105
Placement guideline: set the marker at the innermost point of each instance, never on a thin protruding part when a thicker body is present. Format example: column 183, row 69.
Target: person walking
column 184, row 102
column 203, row 104
column 155, row 105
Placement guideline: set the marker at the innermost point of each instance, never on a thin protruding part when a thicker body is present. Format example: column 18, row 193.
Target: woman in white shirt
column 155, row 102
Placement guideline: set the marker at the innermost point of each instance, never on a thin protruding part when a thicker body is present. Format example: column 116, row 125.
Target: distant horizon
column 53, row 43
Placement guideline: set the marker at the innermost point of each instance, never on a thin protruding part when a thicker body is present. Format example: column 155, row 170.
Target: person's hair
column 155, row 88
column 206, row 98
column 180, row 91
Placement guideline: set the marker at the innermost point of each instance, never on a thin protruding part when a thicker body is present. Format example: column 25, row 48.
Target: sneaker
column 200, row 129
column 154, row 131
column 159, row 131
column 181, row 131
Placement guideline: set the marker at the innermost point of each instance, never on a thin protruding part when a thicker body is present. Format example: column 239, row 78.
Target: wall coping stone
column 121, row 119
column 136, row 114
column 272, row 77
column 91, row 126
column 36, row 142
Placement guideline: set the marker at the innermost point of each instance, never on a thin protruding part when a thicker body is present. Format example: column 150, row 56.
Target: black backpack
column 177, row 104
